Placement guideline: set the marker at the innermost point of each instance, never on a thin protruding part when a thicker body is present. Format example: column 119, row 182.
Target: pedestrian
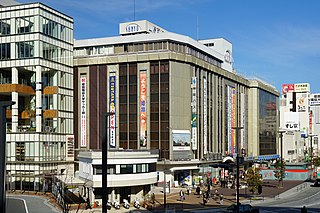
column 221, row 199
column 181, row 195
column 216, row 192
column 198, row 190
column 153, row 198
column 88, row 203
column 204, row 199
column 304, row 209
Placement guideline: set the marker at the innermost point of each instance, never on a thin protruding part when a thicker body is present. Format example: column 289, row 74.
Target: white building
column 298, row 117
column 130, row 174
column 36, row 73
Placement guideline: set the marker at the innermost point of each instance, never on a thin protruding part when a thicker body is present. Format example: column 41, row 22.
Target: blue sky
column 277, row 41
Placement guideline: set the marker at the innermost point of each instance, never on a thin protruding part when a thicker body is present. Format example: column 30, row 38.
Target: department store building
column 175, row 96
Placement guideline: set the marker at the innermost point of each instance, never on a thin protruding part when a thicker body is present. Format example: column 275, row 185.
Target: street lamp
column 105, row 146
column 3, row 143
column 165, row 185
column 238, row 162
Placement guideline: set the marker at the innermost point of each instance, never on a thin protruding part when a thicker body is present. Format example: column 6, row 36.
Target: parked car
column 244, row 208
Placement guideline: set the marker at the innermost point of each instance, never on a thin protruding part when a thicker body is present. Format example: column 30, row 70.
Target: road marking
column 24, row 202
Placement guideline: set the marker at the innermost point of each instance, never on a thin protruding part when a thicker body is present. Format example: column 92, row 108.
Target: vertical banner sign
column 205, row 126
column 83, row 109
column 229, row 122
column 243, row 120
column 112, row 108
column 234, row 144
column 143, row 108
column 194, row 113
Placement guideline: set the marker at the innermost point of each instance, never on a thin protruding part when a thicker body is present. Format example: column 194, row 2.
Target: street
column 29, row 204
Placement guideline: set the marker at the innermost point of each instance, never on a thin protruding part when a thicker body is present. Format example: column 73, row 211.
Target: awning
column 268, row 157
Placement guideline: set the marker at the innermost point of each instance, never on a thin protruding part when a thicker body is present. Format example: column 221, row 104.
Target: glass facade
column 267, row 123
column 36, row 73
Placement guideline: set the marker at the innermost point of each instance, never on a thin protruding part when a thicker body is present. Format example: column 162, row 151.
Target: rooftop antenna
column 134, row 10
column 197, row 28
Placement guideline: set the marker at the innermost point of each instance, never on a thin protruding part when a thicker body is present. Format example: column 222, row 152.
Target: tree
column 316, row 161
column 280, row 169
column 253, row 179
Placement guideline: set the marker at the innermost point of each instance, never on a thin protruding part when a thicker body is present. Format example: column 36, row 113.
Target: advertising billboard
column 83, row 111
column 205, row 125
column 287, row 88
column 231, row 119
column 301, row 102
column 143, row 108
column 181, row 140
column 303, row 87
column 112, row 108
column 194, row 113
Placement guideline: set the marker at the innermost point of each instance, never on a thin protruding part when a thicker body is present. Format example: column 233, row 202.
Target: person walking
column 88, row 203
column 181, row 195
column 221, row 199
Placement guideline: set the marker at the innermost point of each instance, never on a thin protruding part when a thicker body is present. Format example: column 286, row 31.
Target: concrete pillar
column 38, row 99
column 15, row 98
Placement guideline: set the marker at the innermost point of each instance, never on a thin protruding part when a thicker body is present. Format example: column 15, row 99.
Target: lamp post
column 3, row 143
column 105, row 146
column 165, row 185
column 238, row 162
column 281, row 131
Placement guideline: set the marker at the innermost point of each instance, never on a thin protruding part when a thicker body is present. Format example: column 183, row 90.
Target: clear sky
column 277, row 41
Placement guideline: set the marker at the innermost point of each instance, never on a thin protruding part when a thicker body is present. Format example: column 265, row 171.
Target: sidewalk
column 193, row 202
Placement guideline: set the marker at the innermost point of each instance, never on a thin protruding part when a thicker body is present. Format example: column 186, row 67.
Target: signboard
column 143, row 108
column 314, row 100
column 243, row 120
column 70, row 146
column 231, row 121
column 83, row 111
column 291, row 121
column 194, row 113
column 301, row 102
column 181, row 140
column 205, row 125
column 287, row 88
column 303, row 87
column 142, row 26
column 112, row 108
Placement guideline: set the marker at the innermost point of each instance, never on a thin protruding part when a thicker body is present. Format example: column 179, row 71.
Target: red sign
column 287, row 88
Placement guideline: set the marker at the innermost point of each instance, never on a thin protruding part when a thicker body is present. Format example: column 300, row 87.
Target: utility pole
column 3, row 143
column 105, row 145
column 238, row 166
column 311, row 147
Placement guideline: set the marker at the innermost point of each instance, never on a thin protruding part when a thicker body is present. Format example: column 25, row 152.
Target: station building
column 171, row 95
column 36, row 45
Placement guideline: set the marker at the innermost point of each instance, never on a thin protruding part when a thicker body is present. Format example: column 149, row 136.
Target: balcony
column 50, row 113
column 50, row 90
column 20, row 88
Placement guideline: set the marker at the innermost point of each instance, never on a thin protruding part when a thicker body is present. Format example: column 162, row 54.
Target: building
column 36, row 73
column 130, row 173
column 172, row 94
column 299, row 113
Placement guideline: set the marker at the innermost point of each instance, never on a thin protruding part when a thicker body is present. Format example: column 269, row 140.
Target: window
column 25, row 25
column 5, row 27
column 97, row 170
column 25, row 49
column 126, row 169
column 5, row 51
column 111, row 169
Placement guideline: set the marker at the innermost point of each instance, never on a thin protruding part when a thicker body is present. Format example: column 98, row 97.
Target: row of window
column 26, row 49
column 146, row 47
column 27, row 25
column 126, row 168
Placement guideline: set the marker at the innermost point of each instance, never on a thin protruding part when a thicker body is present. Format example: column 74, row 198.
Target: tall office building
column 36, row 60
